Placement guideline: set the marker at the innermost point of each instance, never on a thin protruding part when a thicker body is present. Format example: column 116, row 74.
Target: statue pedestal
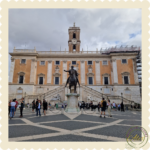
column 72, row 103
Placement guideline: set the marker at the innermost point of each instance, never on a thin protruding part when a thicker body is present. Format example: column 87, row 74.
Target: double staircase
column 84, row 92
column 97, row 96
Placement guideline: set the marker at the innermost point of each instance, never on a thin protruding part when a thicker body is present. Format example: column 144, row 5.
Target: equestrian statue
column 72, row 79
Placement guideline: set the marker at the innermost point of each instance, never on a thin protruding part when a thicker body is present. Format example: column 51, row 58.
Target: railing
column 47, row 94
column 91, row 91
column 67, row 52
column 24, row 51
column 101, row 51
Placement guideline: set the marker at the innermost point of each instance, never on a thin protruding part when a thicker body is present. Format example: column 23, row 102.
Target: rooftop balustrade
column 101, row 51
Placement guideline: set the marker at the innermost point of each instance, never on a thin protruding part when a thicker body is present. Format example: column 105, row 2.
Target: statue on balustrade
column 72, row 79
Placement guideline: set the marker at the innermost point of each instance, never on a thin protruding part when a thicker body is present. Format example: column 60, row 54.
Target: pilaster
column 64, row 73
column 97, row 70
column 82, row 72
column 49, row 72
column 12, row 70
column 115, row 74
column 135, row 71
column 32, row 72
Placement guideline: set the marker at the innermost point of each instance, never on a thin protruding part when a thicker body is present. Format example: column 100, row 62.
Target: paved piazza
column 56, row 126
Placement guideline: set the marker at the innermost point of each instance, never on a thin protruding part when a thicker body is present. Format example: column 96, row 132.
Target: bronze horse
column 72, row 79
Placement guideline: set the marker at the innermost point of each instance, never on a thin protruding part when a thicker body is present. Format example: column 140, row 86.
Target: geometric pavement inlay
column 27, row 130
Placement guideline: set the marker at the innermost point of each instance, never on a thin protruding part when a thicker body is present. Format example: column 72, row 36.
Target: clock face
column 74, row 41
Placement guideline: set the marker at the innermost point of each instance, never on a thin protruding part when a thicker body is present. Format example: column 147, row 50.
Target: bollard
column 91, row 108
column 54, row 108
column 81, row 110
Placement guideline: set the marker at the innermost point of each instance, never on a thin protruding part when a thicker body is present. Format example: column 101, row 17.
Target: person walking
column 21, row 107
column 16, row 106
column 122, row 106
column 9, row 106
column 33, row 105
column 103, row 107
column 114, row 106
column 49, row 105
column 99, row 106
column 44, row 106
column 109, row 108
column 118, row 107
column 12, row 109
column 38, row 108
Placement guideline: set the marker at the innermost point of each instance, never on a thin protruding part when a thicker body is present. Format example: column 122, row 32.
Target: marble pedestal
column 72, row 103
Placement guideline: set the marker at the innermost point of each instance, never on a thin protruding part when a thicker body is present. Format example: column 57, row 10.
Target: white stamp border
column 5, row 4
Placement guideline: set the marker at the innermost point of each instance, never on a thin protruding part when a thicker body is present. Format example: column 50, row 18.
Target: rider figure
column 70, row 72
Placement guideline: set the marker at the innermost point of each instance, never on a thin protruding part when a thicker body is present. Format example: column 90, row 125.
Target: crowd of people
column 38, row 105
column 12, row 107
column 102, row 106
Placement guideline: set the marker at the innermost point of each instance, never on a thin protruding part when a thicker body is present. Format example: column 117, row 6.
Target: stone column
column 32, row 72
column 64, row 73
column 12, row 70
column 135, row 71
column 115, row 74
column 49, row 72
column 97, row 69
column 82, row 72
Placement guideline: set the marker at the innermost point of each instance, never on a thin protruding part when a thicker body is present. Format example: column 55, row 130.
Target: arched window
column 74, row 47
column 74, row 35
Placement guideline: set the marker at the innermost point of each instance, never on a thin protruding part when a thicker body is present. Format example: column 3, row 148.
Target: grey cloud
column 48, row 28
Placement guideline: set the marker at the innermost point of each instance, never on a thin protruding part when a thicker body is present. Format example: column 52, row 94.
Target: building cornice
column 123, row 54
column 23, row 54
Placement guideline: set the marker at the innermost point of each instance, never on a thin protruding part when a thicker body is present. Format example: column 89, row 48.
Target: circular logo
column 137, row 137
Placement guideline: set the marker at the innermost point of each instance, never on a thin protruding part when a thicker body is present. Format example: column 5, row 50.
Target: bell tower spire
column 74, row 39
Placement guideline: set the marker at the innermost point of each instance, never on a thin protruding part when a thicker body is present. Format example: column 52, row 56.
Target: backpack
column 104, row 104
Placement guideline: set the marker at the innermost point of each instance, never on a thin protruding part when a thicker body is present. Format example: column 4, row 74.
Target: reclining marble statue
column 72, row 79
column 56, row 98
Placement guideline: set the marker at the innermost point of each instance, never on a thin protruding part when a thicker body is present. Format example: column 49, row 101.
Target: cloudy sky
column 47, row 29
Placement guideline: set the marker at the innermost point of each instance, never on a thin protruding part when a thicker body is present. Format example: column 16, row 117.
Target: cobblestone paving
column 58, row 126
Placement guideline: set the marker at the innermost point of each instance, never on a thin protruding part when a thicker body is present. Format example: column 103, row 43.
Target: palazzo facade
column 110, row 72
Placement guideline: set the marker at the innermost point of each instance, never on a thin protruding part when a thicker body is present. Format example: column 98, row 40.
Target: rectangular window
column 23, row 61
column 57, row 62
column 126, row 81
column 56, row 80
column 21, row 79
column 90, row 80
column 42, row 62
column 124, row 61
column 104, row 62
column 40, row 80
column 89, row 62
column 105, row 80
column 73, row 62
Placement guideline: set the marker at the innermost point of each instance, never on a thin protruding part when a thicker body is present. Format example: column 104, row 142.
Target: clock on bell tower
column 74, row 39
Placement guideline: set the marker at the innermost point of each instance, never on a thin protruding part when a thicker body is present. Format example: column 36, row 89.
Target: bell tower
column 74, row 39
